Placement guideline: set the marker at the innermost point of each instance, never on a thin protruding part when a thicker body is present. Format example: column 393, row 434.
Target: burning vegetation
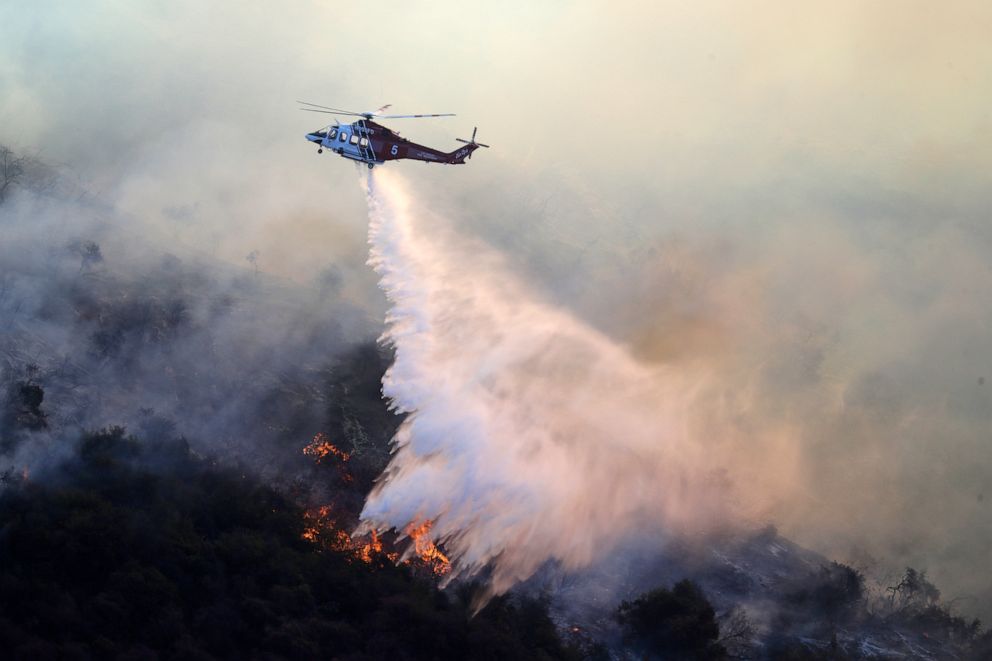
column 426, row 551
column 133, row 549
column 324, row 527
column 321, row 447
column 127, row 547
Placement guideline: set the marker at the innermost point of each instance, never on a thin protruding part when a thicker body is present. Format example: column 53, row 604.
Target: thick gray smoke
column 791, row 204
column 102, row 322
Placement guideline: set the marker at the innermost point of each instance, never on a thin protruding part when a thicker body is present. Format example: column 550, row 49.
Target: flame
column 371, row 549
column 324, row 530
column 320, row 447
column 425, row 549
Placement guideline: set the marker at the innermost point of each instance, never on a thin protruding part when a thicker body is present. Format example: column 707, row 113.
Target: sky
column 792, row 198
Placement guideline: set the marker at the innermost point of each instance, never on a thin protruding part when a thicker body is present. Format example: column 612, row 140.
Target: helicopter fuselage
column 371, row 143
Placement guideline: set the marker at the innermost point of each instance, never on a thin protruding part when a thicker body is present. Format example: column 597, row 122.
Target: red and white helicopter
column 374, row 144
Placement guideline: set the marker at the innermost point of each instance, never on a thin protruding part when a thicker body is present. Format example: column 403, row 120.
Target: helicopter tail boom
column 459, row 155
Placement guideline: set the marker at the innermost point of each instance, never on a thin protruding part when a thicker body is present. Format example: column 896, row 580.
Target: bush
column 145, row 550
column 673, row 624
column 830, row 596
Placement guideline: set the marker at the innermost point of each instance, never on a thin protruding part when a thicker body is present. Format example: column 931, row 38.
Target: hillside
column 186, row 445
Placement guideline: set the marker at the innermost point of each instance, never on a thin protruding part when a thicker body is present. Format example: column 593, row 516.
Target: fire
column 320, row 447
column 426, row 550
column 323, row 529
column 370, row 549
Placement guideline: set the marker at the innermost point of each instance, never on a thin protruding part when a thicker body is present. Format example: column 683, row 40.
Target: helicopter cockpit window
column 354, row 139
column 343, row 137
column 333, row 133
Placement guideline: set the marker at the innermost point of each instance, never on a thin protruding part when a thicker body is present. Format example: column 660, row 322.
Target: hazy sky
column 793, row 196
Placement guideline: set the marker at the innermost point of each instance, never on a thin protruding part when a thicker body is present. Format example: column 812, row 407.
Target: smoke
column 102, row 323
column 530, row 436
column 790, row 205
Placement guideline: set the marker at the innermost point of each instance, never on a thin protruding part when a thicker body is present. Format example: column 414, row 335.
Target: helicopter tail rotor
column 472, row 141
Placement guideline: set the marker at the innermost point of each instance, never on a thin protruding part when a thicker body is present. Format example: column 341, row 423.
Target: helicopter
column 371, row 143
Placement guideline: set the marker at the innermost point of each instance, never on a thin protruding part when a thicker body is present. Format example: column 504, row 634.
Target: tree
column 253, row 260
column 329, row 281
column 11, row 169
column 20, row 411
column 143, row 549
column 737, row 633
column 673, row 624
column 914, row 589
column 89, row 253
column 830, row 596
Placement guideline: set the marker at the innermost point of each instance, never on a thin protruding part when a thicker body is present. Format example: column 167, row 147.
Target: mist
column 782, row 209
column 530, row 436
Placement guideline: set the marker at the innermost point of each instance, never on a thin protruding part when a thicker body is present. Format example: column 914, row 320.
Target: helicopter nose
column 314, row 137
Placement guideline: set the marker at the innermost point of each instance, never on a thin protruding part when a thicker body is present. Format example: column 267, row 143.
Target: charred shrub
column 126, row 327
column 939, row 623
column 916, row 605
column 20, row 412
column 914, row 591
column 88, row 252
column 828, row 597
column 981, row 647
column 672, row 624
column 357, row 413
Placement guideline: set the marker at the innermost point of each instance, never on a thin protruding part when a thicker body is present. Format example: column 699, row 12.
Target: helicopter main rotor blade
column 334, row 112
column 444, row 114
column 314, row 105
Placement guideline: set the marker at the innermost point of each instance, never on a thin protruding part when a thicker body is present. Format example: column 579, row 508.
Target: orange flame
column 426, row 550
column 370, row 549
column 323, row 529
column 320, row 447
